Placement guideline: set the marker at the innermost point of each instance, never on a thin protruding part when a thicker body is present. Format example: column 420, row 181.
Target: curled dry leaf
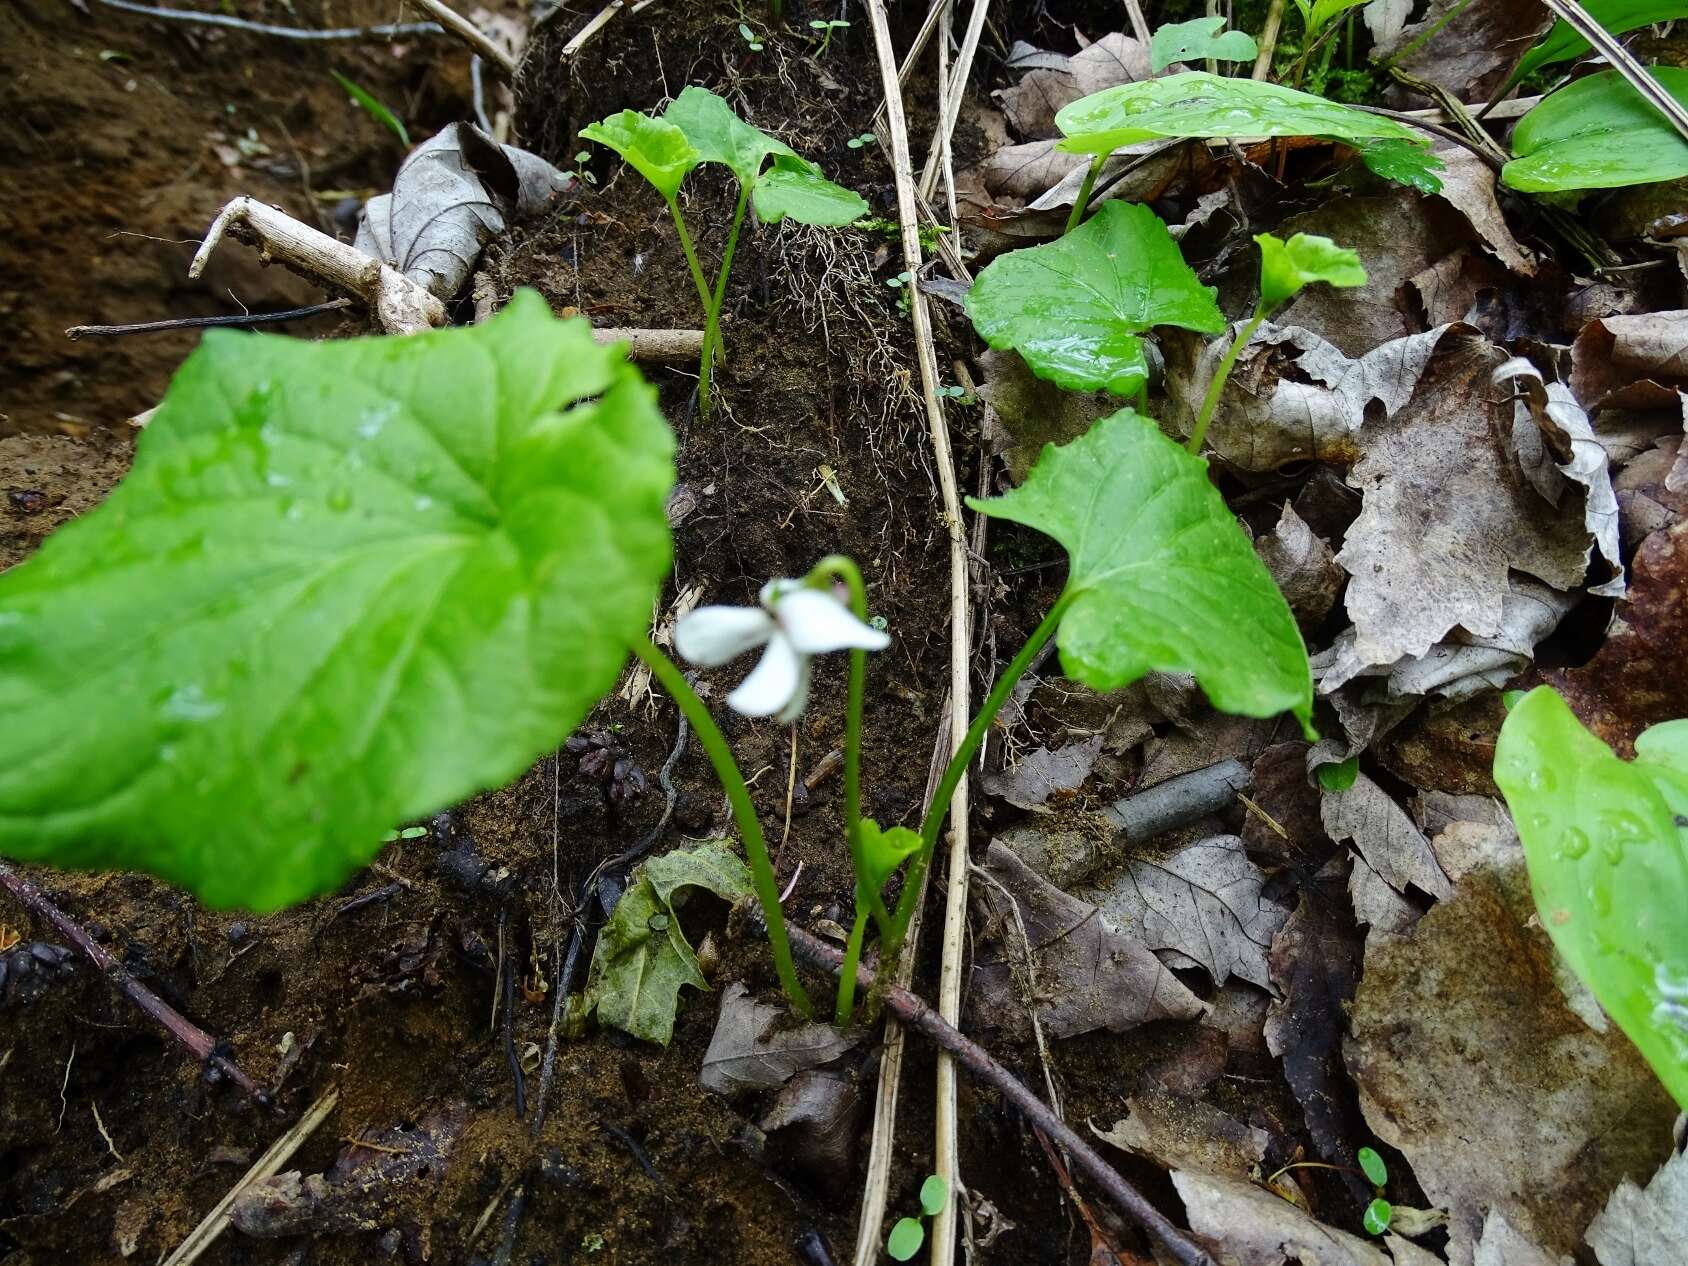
column 1447, row 515
column 1304, row 567
column 1256, row 1228
column 1635, row 679
column 1385, row 836
column 1635, row 362
column 1468, row 185
column 1181, row 1133
column 1089, row 974
column 751, row 1050
column 1643, row 1226
column 1203, row 901
column 1468, row 1061
column 812, row 1121
column 1053, row 80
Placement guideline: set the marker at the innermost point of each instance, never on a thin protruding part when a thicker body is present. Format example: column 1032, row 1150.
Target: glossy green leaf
column 884, row 851
column 1321, row 13
column 1371, row 1164
column 642, row 959
column 1598, row 133
column 1075, row 307
column 905, row 1239
column 1286, row 267
column 1339, row 775
column 1197, row 104
column 1196, row 40
column 1562, row 43
column 345, row 584
column 1379, row 1214
column 657, row 149
column 1162, row 578
column 1608, row 856
column 1402, row 162
column 795, row 188
column 720, row 136
column 934, row 1195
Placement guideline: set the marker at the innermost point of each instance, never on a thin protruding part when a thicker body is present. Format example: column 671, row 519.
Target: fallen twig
column 471, row 35
column 267, row 1166
column 204, row 1047
column 207, row 322
column 381, row 31
column 916, row 1015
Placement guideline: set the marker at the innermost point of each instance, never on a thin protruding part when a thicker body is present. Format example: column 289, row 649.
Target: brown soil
column 110, row 1142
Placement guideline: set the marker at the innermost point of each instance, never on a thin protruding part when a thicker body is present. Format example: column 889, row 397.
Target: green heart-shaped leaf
column 345, row 584
column 1074, row 307
column 1285, row 267
column 720, row 136
column 883, row 851
column 1608, row 855
column 1618, row 16
column 1598, row 133
column 1197, row 39
column 1161, row 579
column 794, row 187
column 657, row 149
column 1197, row 104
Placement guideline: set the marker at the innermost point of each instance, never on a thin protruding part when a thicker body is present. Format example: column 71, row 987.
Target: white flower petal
column 800, row 698
column 817, row 622
column 710, row 636
column 773, row 683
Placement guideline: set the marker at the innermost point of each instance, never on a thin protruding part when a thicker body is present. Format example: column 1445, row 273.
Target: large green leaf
column 1197, row 104
column 720, row 136
column 795, row 188
column 345, row 584
column 657, row 149
column 1287, row 267
column 1598, row 133
column 642, row 959
column 1618, row 16
column 1074, row 307
column 1161, row 579
column 1197, row 39
column 1607, row 844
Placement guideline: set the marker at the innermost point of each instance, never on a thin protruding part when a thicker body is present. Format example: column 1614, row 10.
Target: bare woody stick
column 203, row 1046
column 916, row 1015
column 471, row 35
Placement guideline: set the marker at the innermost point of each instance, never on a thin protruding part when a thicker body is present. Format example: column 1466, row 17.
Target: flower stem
column 839, row 567
column 846, row 1008
column 704, row 296
column 938, row 810
column 712, row 325
column 744, row 813
column 1083, row 200
column 1210, row 402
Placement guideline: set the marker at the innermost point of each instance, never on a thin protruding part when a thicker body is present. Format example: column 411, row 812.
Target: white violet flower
column 795, row 623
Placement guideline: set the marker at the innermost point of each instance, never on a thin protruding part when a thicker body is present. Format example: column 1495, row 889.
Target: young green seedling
column 749, row 37
column 827, row 29
column 699, row 127
column 373, row 107
column 856, row 142
column 1197, row 40
column 1606, row 841
column 910, row 1233
column 1285, row 267
column 1379, row 1213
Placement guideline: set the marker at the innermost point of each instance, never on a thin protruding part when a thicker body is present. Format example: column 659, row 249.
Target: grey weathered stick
column 471, row 35
column 384, row 31
column 1177, row 801
column 172, row 1021
column 916, row 1015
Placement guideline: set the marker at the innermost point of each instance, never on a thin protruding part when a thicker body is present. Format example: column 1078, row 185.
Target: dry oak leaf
column 1204, row 901
column 1638, row 678
column 1088, row 974
column 1468, row 1061
column 1447, row 513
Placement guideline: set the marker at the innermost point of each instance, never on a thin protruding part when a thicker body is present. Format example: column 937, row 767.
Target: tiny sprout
column 1377, row 1173
column 909, row 1233
column 580, row 161
column 878, row 623
column 857, row 142
column 1377, row 1217
column 899, row 281
column 409, row 833
column 826, row 29
column 953, row 393
column 750, row 38
column 934, row 1195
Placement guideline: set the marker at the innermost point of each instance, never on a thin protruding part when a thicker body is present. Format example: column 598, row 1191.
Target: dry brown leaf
column 1644, row 1226
column 1468, row 1061
column 1053, row 80
column 1636, row 678
column 1468, row 184
column 1182, row 1133
column 1447, row 514
column 1203, row 901
column 1042, row 773
column 1303, row 566
column 1023, row 412
column 1378, row 907
column 1253, row 1227
column 1500, row 1245
column 1089, row 975
column 1469, row 49
column 1635, row 362
column 751, row 1050
column 1385, row 836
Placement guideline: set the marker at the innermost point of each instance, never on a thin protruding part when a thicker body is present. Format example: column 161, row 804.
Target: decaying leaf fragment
column 1385, row 836
column 1182, row 1133
column 1303, row 566
column 751, row 1050
column 1643, row 1226
column 1636, row 361
column 1468, row 1061
column 1088, row 974
column 1053, row 80
column 1256, row 1228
